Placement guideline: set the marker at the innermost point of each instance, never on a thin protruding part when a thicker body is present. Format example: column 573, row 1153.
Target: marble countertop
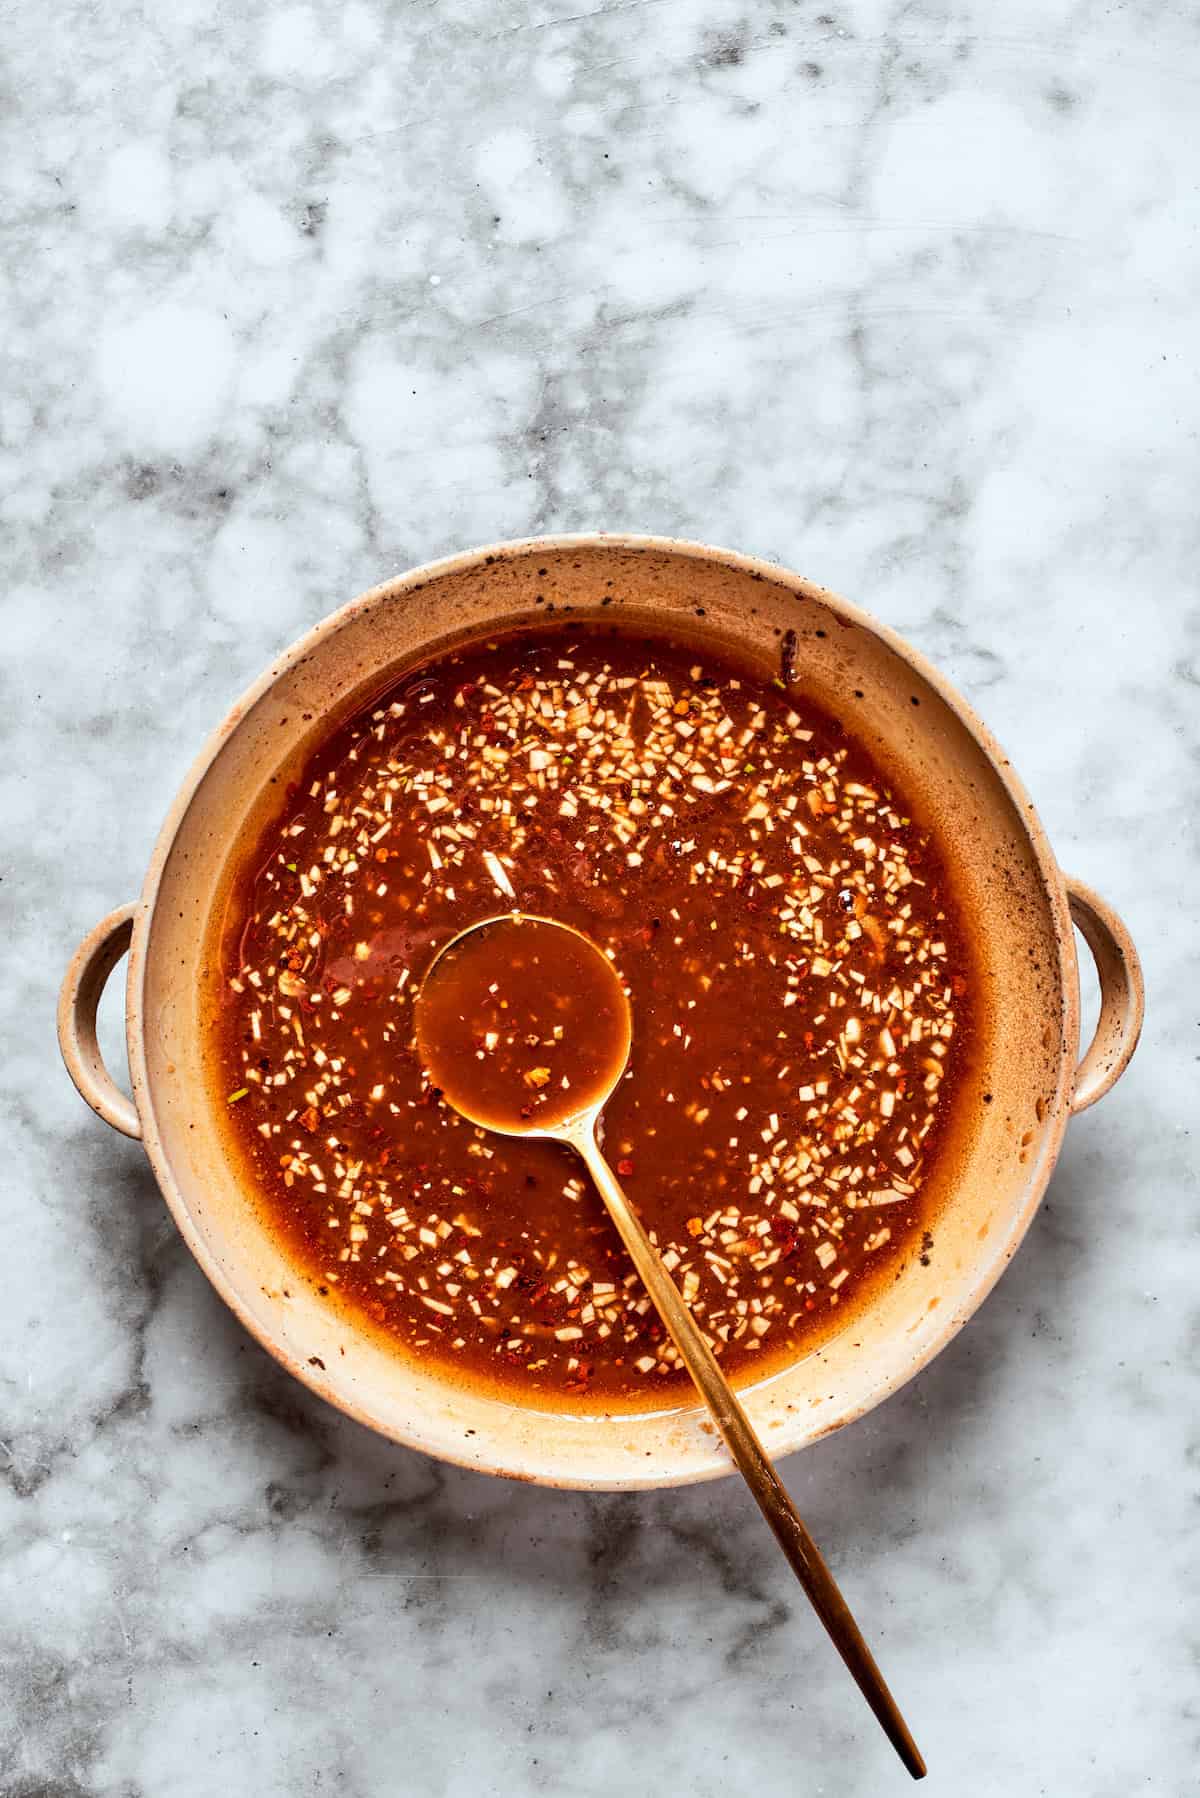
column 298, row 295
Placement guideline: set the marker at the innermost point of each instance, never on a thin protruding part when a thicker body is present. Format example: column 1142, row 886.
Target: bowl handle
column 83, row 983
column 1122, row 994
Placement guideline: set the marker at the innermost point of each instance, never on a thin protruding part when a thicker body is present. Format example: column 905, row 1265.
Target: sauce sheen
column 801, row 1002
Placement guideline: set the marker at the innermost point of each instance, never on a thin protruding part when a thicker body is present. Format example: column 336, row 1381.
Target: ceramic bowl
column 1020, row 907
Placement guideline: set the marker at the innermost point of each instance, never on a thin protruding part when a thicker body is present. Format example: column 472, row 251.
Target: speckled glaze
column 1027, row 1083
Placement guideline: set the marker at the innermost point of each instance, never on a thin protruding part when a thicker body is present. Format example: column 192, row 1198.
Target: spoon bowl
column 524, row 1026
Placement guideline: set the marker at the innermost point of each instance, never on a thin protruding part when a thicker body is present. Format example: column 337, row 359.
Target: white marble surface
column 297, row 295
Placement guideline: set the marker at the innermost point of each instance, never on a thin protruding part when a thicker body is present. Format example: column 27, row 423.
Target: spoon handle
column 752, row 1459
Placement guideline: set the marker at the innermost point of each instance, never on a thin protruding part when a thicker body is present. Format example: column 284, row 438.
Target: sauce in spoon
column 522, row 1023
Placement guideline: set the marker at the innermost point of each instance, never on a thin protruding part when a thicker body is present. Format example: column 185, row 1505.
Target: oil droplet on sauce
column 522, row 1024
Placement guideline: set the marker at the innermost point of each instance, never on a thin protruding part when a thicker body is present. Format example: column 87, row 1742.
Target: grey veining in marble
column 296, row 295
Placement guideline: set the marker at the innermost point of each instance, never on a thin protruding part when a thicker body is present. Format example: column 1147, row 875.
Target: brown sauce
column 800, row 993
column 522, row 1024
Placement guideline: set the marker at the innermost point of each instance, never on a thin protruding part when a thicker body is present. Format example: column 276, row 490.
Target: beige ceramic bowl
column 1020, row 905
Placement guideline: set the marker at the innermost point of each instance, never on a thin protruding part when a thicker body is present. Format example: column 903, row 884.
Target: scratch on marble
column 574, row 18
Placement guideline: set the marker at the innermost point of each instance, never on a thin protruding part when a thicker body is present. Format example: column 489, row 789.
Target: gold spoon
column 563, row 976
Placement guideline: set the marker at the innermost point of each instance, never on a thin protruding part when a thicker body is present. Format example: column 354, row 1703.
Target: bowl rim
column 1006, row 1241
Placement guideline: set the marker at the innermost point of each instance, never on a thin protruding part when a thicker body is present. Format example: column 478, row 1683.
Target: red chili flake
column 552, row 1308
column 625, row 1166
column 787, row 1238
